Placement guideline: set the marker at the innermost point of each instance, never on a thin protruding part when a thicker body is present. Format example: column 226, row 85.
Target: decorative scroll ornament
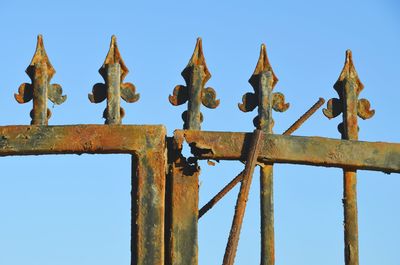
column 263, row 82
column 113, row 72
column 196, row 75
column 348, row 87
column 40, row 72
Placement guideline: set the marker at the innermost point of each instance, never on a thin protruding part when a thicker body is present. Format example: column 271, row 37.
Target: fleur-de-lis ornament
column 196, row 75
column 263, row 82
column 348, row 87
column 113, row 71
column 40, row 72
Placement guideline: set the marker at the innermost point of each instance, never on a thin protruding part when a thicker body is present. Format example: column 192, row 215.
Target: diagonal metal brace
column 241, row 202
column 239, row 177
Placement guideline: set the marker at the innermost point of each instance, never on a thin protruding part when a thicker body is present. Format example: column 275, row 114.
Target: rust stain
column 348, row 87
column 196, row 75
column 165, row 184
column 40, row 71
column 113, row 72
column 317, row 151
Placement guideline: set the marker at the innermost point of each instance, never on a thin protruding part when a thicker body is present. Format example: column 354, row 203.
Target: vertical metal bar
column 349, row 87
column 240, row 208
column 148, row 203
column 183, row 177
column 263, row 81
column 195, row 86
column 113, row 83
column 267, row 215
column 350, row 132
column 266, row 173
column 40, row 84
column 182, row 212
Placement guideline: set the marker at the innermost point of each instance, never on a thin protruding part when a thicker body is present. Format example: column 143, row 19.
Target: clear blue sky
column 76, row 209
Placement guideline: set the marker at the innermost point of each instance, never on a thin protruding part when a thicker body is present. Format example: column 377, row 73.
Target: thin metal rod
column 230, row 251
column 238, row 178
column 304, row 117
column 267, row 214
column 220, row 194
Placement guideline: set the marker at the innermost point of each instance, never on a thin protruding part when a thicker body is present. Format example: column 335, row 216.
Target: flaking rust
column 306, row 150
column 184, row 174
column 182, row 206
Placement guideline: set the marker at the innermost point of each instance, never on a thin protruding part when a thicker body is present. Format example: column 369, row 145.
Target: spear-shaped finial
column 348, row 87
column 40, row 72
column 113, row 72
column 263, row 82
column 196, row 75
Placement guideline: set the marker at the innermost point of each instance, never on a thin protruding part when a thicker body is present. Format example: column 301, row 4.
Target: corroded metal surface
column 40, row 72
column 183, row 177
column 147, row 146
column 252, row 155
column 196, row 75
column 113, row 71
column 317, row 151
column 165, row 184
column 238, row 178
column 78, row 139
column 263, row 82
column 182, row 198
column 348, row 88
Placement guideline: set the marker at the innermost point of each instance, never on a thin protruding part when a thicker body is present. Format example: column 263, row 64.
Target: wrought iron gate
column 165, row 184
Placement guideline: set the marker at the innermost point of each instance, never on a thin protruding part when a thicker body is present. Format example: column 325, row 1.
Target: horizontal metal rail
column 317, row 151
column 79, row 139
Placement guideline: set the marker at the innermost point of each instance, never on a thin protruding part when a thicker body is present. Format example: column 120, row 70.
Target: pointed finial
column 40, row 72
column 198, row 59
column 348, row 71
column 113, row 72
column 113, row 57
column 263, row 82
column 40, row 56
column 196, row 75
column 348, row 86
column 263, row 65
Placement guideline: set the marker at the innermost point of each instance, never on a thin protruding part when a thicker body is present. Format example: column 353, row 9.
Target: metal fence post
column 348, row 87
column 183, row 177
column 263, row 81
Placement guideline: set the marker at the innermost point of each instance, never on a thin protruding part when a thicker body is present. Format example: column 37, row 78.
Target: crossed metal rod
column 211, row 203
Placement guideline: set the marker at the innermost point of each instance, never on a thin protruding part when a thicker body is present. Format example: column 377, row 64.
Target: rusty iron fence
column 165, row 184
